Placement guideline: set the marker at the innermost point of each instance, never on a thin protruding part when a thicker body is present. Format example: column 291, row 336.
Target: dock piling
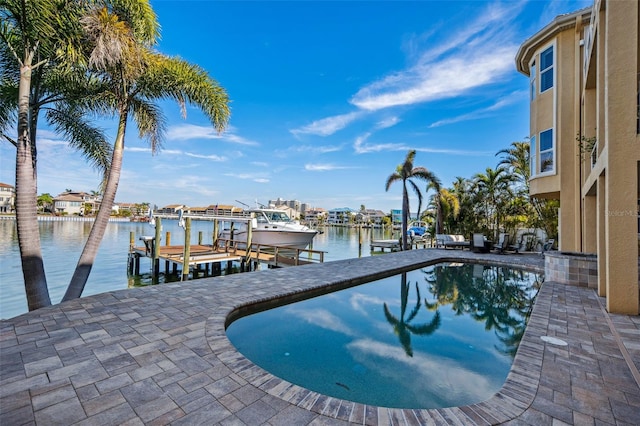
column 187, row 249
column 156, row 251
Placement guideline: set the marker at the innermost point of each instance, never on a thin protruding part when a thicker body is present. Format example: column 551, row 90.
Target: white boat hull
column 274, row 228
column 274, row 237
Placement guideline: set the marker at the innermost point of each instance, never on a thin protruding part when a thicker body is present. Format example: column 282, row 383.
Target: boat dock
column 210, row 258
column 394, row 245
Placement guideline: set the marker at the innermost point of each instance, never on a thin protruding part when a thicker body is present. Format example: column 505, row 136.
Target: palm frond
column 391, row 179
column 174, row 78
column 140, row 17
column 81, row 135
column 150, row 121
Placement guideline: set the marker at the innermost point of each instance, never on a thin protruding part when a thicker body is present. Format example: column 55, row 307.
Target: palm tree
column 39, row 40
column 401, row 325
column 516, row 158
column 134, row 76
column 494, row 190
column 449, row 209
column 405, row 172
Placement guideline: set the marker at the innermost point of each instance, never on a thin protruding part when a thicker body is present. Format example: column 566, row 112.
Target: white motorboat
column 273, row 227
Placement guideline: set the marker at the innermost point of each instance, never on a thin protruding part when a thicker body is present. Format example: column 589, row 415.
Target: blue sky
column 327, row 99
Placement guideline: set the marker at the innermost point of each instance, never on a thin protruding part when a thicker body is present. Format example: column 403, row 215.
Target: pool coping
column 160, row 355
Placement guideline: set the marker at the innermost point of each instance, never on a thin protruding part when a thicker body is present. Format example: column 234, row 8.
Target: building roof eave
column 559, row 24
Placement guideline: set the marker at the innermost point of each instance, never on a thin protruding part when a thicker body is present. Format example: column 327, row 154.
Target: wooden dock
column 196, row 257
column 394, row 245
column 206, row 257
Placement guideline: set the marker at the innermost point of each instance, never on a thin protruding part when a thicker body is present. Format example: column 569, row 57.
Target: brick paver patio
column 159, row 355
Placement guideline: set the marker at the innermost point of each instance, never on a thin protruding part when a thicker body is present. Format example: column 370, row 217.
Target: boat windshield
column 277, row 216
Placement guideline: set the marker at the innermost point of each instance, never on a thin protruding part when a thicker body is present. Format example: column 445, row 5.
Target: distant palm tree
column 401, row 325
column 516, row 158
column 494, row 191
column 135, row 76
column 405, row 172
column 448, row 208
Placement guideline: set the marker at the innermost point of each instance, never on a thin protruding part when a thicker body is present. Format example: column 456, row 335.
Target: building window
column 532, row 81
column 533, row 155
column 546, row 69
column 546, row 151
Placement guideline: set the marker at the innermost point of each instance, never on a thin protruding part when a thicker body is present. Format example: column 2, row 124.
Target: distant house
column 370, row 216
column 340, row 216
column 7, row 198
column 223, row 210
column 196, row 210
column 136, row 209
column 315, row 214
column 170, row 209
column 68, row 204
column 76, row 203
column 396, row 216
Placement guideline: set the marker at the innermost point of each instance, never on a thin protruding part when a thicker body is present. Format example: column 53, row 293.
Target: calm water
column 436, row 337
column 62, row 243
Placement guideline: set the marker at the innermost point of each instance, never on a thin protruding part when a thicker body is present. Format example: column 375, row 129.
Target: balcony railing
column 594, row 154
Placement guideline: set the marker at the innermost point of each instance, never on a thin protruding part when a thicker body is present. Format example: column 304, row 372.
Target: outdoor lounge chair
column 502, row 244
column 479, row 243
column 547, row 246
column 451, row 241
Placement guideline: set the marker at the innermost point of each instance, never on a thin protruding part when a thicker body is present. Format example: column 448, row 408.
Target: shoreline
column 51, row 218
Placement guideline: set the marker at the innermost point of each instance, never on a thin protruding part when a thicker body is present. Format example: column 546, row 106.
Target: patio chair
column 502, row 244
column 547, row 246
column 479, row 243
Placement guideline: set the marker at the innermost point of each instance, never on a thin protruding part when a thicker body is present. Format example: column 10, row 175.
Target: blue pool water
column 440, row 336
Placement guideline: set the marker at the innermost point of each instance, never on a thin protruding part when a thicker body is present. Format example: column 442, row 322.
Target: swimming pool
column 439, row 336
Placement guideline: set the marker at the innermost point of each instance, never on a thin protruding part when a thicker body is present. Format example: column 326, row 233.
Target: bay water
column 63, row 241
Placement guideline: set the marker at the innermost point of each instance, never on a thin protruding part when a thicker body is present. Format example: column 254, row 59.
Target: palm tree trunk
column 88, row 256
column 35, row 280
column 405, row 215
column 439, row 218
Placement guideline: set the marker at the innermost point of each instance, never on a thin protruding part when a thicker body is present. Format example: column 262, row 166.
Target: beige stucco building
column 583, row 71
column 7, row 198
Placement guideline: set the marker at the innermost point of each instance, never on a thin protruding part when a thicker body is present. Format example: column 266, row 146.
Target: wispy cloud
column 483, row 112
column 184, row 132
column 327, row 126
column 258, row 178
column 309, row 149
column 361, row 147
column 475, row 56
column 462, row 152
column 323, row 167
column 387, row 122
column 180, row 153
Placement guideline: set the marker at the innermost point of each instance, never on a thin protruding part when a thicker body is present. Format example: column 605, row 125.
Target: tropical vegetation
column 83, row 60
column 494, row 201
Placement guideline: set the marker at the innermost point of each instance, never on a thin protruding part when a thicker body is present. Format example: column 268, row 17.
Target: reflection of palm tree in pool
column 497, row 296
column 500, row 296
column 442, row 282
column 401, row 326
